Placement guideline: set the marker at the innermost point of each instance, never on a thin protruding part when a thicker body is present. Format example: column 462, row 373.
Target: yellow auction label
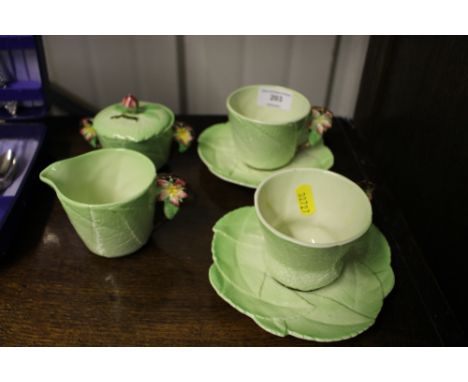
column 305, row 199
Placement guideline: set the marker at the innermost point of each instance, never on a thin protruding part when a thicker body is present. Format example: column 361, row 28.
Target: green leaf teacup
column 310, row 218
column 270, row 122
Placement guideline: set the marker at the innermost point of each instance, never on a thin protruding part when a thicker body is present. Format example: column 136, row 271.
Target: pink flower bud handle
column 130, row 106
column 321, row 120
column 172, row 192
column 130, row 103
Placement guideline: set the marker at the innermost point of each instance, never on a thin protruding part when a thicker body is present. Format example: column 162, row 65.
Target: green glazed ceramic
column 268, row 124
column 217, row 150
column 306, row 243
column 109, row 196
column 147, row 130
column 338, row 311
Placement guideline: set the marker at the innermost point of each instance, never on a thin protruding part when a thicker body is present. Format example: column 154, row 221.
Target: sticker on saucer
column 217, row 151
column 341, row 310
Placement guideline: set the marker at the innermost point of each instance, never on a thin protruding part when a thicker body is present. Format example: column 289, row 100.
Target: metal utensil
column 11, row 107
column 7, row 168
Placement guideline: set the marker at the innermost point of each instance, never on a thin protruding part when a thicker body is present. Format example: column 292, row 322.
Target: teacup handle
column 89, row 132
column 183, row 134
column 172, row 192
column 321, row 120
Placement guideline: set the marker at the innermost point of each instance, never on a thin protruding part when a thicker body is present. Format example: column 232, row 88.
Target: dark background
column 412, row 114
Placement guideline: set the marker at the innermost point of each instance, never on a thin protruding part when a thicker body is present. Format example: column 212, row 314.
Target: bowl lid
column 133, row 120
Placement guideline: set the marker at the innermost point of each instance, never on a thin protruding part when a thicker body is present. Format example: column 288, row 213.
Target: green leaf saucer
column 341, row 310
column 217, row 151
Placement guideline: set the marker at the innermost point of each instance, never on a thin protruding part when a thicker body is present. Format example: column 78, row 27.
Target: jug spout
column 47, row 176
column 62, row 176
column 51, row 175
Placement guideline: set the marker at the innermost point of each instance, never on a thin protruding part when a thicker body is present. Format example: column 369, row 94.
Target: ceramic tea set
column 109, row 194
column 304, row 260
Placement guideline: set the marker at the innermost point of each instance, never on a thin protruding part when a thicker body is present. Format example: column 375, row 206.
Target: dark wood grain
column 53, row 291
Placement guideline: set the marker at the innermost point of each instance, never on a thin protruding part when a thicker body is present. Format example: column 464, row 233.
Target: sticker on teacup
column 279, row 99
column 305, row 199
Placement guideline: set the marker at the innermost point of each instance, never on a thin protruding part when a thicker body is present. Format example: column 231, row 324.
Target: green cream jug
column 109, row 196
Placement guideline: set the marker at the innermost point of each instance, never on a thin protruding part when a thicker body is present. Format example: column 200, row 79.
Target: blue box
column 20, row 63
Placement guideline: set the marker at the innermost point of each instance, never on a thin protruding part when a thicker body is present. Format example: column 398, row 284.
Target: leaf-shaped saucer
column 341, row 310
column 217, row 151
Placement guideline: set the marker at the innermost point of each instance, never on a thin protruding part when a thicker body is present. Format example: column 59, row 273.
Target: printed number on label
column 279, row 99
column 276, row 98
column 305, row 199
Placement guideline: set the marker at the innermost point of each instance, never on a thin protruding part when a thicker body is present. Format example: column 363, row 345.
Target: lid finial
column 130, row 102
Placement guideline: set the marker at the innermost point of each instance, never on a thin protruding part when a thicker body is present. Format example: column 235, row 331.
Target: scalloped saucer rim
column 381, row 271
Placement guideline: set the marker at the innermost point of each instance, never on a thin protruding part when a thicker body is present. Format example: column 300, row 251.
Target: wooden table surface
column 53, row 291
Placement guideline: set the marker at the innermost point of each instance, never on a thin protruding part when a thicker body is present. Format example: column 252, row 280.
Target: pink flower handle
column 321, row 120
column 172, row 192
column 89, row 132
column 183, row 135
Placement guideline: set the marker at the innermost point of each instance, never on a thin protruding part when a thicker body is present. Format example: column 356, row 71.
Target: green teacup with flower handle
column 269, row 123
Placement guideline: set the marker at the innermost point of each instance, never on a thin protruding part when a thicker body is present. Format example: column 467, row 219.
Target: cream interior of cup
column 342, row 210
column 252, row 102
column 103, row 176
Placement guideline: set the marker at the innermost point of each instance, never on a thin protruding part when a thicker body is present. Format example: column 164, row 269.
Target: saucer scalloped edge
column 217, row 151
column 341, row 310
